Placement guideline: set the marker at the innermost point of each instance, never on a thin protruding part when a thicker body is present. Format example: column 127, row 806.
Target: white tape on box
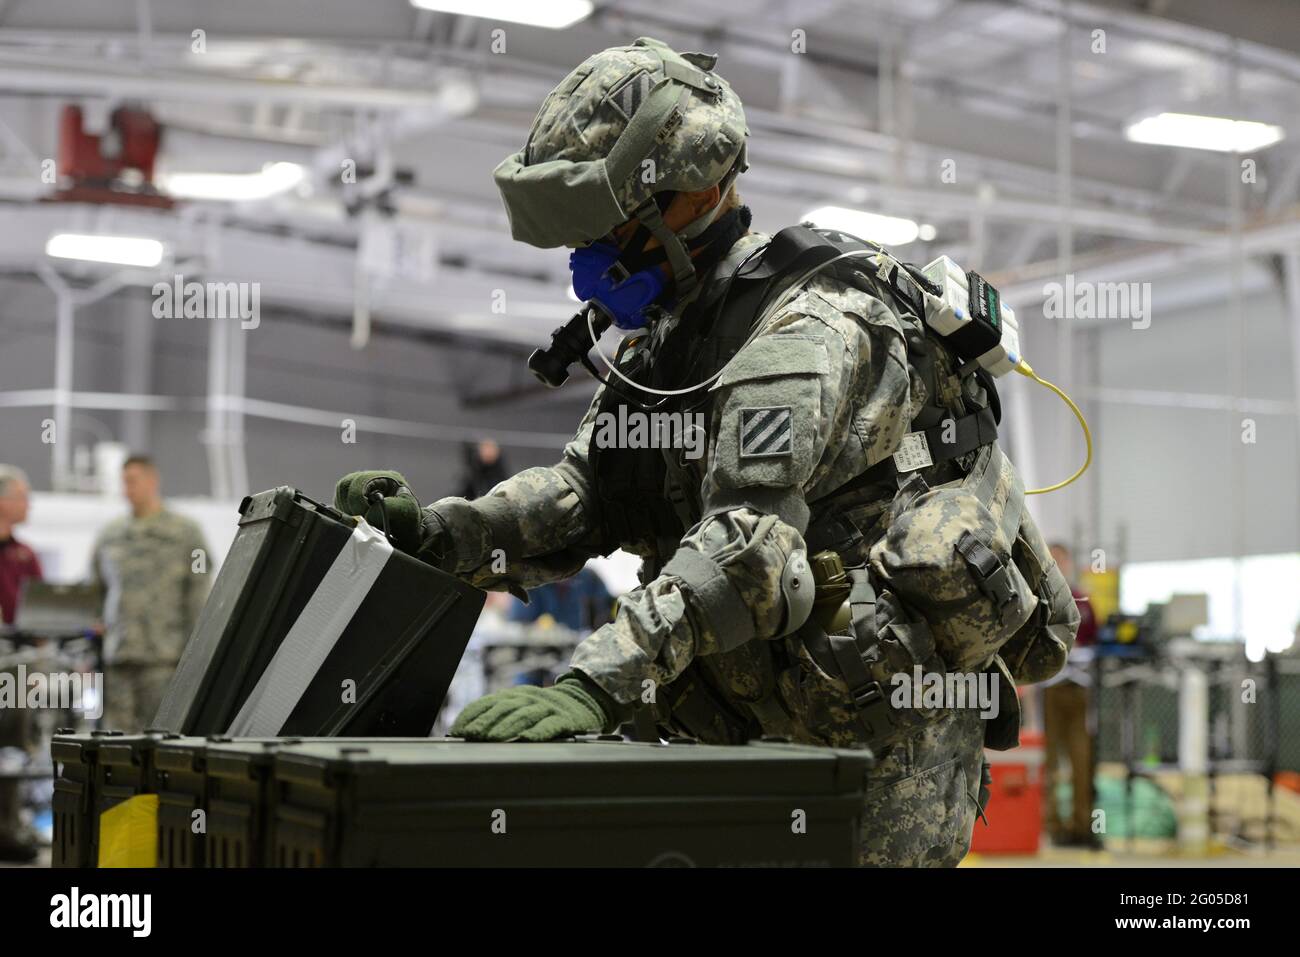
column 314, row 634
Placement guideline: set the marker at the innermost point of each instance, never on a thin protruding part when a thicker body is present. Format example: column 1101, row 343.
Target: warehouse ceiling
column 947, row 112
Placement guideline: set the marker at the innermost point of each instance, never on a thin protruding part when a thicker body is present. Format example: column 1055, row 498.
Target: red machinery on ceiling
column 115, row 167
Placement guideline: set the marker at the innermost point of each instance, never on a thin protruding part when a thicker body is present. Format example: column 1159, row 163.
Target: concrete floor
column 1145, row 854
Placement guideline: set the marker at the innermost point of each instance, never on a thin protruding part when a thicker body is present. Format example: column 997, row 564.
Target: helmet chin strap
column 674, row 244
column 679, row 257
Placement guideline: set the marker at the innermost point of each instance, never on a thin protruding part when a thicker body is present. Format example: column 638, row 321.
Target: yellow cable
column 1023, row 368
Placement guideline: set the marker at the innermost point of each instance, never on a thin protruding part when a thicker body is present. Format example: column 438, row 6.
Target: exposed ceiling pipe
column 1024, row 285
column 67, row 301
column 72, row 81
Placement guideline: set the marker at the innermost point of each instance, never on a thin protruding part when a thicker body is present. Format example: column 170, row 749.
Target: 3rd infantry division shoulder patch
column 766, row 432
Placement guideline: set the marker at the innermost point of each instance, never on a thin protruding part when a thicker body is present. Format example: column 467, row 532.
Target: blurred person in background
column 17, row 561
column 17, row 564
column 1065, row 724
column 484, row 468
column 581, row 603
column 153, row 565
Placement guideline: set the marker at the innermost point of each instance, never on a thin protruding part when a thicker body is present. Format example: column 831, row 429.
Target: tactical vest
column 633, row 483
column 958, row 427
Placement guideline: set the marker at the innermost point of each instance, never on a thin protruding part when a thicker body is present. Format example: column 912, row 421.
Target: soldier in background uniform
column 631, row 162
column 153, row 565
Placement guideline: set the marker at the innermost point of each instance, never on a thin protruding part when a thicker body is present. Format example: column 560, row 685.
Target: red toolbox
column 1015, row 806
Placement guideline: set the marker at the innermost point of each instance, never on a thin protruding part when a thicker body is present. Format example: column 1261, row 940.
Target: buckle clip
column 867, row 696
column 873, row 709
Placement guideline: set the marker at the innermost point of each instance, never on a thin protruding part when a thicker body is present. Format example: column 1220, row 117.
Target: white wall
column 1166, row 473
column 1161, row 482
column 62, row 529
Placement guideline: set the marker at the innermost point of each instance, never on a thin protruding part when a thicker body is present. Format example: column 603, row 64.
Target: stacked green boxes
column 93, row 773
column 416, row 802
column 236, row 801
column 125, row 767
column 213, row 793
column 589, row 802
column 230, row 780
column 180, row 777
column 73, row 804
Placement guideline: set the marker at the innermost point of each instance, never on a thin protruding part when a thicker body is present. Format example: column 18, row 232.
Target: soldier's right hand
column 383, row 499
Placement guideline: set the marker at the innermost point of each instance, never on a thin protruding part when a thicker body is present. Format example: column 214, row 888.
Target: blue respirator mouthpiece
column 599, row 279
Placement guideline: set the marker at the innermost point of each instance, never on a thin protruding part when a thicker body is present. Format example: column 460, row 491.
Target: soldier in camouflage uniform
column 708, row 645
column 152, row 564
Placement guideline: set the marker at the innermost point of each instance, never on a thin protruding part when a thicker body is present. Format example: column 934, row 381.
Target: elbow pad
column 747, row 576
column 796, row 592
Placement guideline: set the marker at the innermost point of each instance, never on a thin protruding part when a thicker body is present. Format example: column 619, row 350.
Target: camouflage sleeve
column 784, row 421
column 535, row 527
column 96, row 573
column 721, row 589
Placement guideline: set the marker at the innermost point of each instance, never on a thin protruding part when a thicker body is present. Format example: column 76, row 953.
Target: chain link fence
column 1252, row 719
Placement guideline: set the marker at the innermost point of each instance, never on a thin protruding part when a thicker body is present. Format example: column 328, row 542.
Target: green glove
column 399, row 512
column 572, row 706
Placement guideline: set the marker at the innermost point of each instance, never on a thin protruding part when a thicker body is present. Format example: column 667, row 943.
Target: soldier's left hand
column 532, row 714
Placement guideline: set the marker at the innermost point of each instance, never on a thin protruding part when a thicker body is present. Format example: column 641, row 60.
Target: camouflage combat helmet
column 628, row 123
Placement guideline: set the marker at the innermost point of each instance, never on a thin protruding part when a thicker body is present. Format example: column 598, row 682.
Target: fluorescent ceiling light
column 885, row 230
column 552, row 14
column 118, row 250
column 1204, row 132
column 234, row 187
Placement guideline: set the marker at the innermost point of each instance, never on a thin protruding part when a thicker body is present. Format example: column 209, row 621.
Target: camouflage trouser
column 132, row 694
column 921, row 797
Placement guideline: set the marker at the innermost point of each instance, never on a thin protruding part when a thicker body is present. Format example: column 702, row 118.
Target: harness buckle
column 873, row 710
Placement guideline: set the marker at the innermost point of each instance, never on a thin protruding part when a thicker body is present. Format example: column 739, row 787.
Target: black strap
column 788, row 254
column 904, row 282
column 643, row 721
column 696, row 708
column 854, row 652
column 714, row 329
column 991, row 393
column 834, row 531
column 970, row 432
column 985, row 789
column 796, row 249
column 630, row 482
column 990, row 573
